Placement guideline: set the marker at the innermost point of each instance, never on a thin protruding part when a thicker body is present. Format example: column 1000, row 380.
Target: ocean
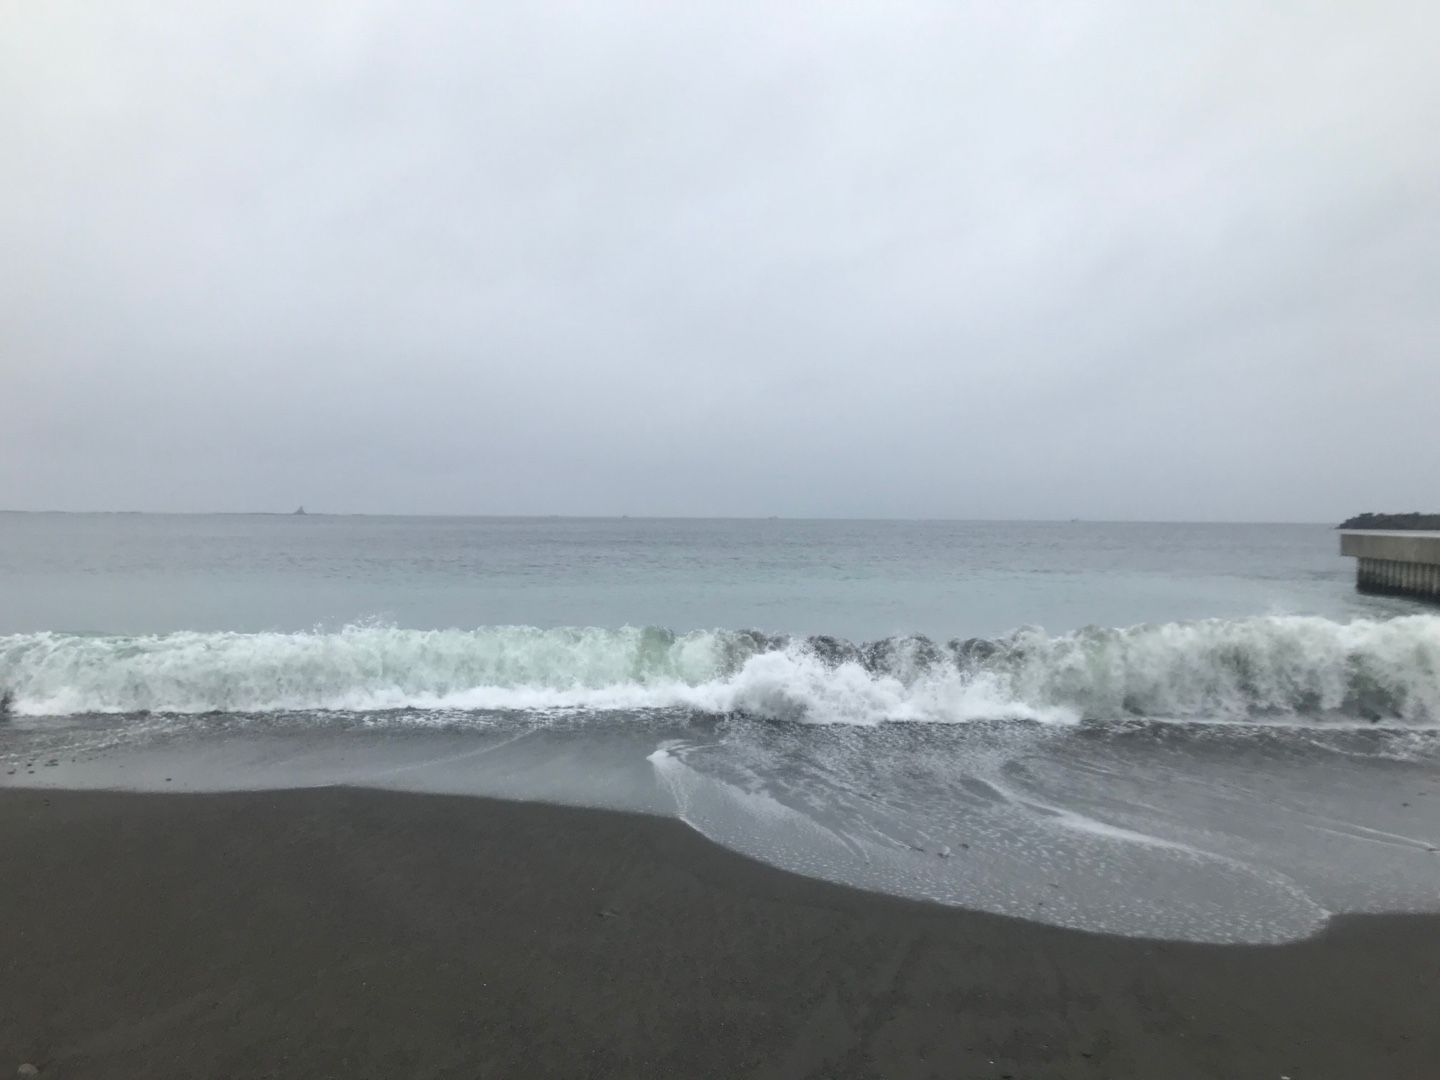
column 1182, row 731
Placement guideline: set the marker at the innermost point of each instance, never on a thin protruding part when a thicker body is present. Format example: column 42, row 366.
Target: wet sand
column 349, row 933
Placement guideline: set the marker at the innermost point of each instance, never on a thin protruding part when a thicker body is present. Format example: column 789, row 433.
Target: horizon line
column 673, row 517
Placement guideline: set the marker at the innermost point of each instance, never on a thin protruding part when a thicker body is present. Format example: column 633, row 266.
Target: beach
column 350, row 933
column 686, row 541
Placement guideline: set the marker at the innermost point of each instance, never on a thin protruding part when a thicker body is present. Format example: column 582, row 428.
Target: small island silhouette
column 1371, row 520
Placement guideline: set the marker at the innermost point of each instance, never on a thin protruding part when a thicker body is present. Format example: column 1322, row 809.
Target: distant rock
column 1428, row 522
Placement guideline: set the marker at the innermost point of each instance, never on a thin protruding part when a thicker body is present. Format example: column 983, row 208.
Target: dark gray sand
column 345, row 933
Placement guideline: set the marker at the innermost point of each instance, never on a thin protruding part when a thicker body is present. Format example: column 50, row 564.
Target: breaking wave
column 1287, row 667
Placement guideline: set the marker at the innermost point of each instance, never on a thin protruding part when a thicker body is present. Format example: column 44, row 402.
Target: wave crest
column 1285, row 666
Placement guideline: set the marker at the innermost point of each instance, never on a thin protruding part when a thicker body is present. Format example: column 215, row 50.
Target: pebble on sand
column 27, row 1070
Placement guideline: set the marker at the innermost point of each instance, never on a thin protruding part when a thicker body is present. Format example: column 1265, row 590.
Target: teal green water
column 860, row 580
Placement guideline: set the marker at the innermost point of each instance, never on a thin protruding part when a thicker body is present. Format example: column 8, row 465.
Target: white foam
column 1285, row 668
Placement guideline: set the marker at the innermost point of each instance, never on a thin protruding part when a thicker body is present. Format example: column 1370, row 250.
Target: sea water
column 1183, row 731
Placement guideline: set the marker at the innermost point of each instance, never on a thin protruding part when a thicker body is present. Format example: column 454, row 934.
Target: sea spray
column 1306, row 668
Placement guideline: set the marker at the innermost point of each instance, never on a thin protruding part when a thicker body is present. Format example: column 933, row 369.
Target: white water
column 1291, row 668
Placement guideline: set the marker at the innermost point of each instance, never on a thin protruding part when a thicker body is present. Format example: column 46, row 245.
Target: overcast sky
column 1101, row 260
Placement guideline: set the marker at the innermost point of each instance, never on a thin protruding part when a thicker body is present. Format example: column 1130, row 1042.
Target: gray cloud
column 970, row 260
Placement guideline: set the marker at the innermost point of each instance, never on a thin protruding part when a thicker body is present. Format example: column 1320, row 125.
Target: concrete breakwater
column 1398, row 563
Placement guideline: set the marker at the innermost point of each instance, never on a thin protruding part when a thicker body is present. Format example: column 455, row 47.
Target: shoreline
column 356, row 932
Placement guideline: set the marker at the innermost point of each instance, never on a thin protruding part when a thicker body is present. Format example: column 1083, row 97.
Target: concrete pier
column 1396, row 563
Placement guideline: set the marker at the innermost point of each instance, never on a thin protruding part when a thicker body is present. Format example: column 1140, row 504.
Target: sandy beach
column 350, row 933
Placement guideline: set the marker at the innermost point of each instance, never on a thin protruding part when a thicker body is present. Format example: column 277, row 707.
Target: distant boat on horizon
column 299, row 512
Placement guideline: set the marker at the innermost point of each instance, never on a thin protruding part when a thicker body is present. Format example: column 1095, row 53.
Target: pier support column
column 1397, row 563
